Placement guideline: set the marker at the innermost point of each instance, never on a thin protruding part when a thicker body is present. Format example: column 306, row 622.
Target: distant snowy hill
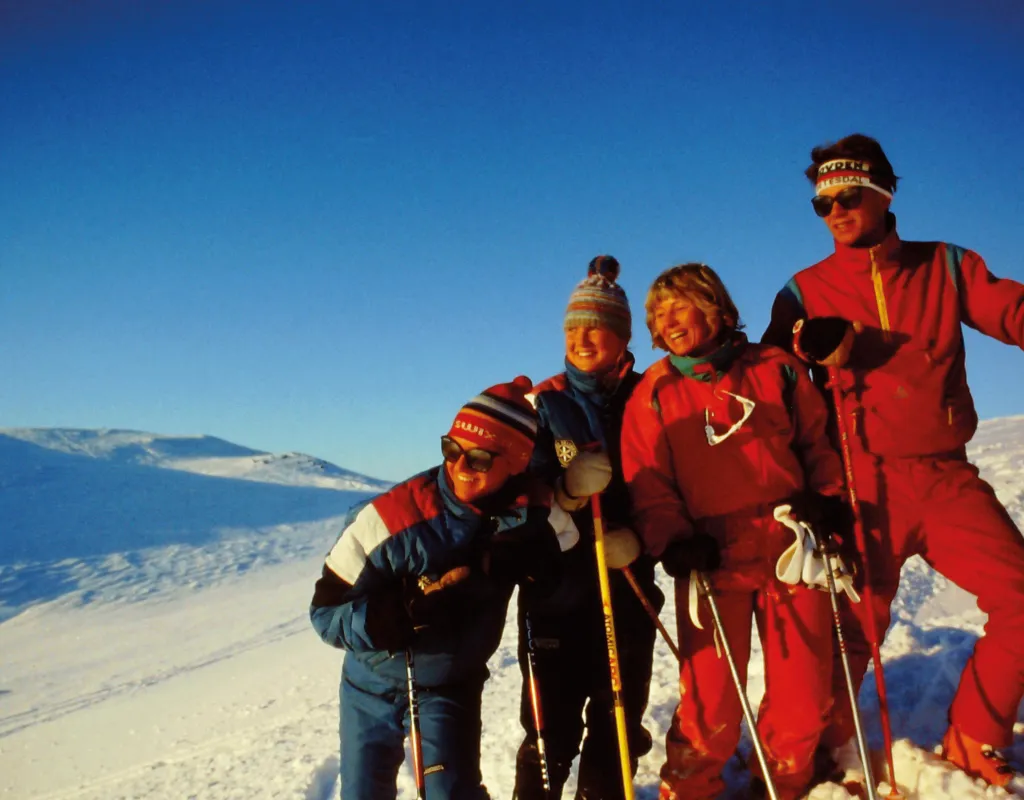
column 155, row 641
column 204, row 455
column 97, row 512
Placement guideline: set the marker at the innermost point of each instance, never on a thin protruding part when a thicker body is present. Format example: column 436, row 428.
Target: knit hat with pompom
column 599, row 302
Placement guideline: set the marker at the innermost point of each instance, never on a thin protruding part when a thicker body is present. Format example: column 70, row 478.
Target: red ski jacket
column 905, row 387
column 677, row 477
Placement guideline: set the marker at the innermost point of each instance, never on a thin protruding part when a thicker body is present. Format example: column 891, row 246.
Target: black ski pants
column 571, row 654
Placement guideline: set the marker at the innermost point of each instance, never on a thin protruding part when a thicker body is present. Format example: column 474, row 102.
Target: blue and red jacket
column 578, row 410
column 905, row 387
column 419, row 528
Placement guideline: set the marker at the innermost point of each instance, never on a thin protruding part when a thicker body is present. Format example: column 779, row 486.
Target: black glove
column 528, row 555
column 829, row 516
column 824, row 340
column 699, row 552
column 434, row 604
column 388, row 624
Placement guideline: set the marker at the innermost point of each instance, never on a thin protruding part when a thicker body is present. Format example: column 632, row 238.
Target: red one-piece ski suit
column 680, row 483
column 910, row 413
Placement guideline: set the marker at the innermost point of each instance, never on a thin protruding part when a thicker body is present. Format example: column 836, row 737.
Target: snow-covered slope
column 205, row 455
column 187, row 667
column 99, row 514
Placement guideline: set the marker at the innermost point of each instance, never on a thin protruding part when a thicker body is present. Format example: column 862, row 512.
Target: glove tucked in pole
column 804, row 562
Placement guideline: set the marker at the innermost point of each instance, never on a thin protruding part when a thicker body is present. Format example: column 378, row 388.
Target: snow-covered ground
column 154, row 640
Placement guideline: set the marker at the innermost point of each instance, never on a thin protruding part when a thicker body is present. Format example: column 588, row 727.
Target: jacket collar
column 884, row 256
column 712, row 367
column 511, row 496
column 600, row 385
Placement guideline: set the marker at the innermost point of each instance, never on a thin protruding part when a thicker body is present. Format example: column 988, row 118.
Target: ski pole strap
column 694, row 600
column 698, row 588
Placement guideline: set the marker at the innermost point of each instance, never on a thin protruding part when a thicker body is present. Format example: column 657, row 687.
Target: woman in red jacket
column 717, row 435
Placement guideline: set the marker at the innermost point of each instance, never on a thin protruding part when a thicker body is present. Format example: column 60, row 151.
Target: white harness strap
column 693, row 602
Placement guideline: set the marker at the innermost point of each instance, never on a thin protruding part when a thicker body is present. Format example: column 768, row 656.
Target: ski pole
column 862, row 742
column 652, row 612
column 748, row 714
column 869, row 595
column 613, row 650
column 538, row 716
column 415, row 742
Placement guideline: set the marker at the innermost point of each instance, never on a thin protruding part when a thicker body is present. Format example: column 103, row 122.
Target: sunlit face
column 593, row 349
column 684, row 328
column 863, row 226
column 470, row 485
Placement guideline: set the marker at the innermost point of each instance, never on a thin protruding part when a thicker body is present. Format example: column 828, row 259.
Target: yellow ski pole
column 613, row 650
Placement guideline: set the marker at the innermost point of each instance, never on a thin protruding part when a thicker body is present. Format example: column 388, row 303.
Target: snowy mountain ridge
column 109, row 515
column 200, row 454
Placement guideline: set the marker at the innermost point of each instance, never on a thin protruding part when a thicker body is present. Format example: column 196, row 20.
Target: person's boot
column 976, row 759
column 528, row 785
column 842, row 765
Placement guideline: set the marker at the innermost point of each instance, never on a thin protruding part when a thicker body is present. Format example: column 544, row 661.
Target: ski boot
column 976, row 759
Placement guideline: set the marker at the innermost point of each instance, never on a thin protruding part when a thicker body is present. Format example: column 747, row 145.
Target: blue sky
column 324, row 226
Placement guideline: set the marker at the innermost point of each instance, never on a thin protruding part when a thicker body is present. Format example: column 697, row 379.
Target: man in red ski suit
column 909, row 414
column 715, row 437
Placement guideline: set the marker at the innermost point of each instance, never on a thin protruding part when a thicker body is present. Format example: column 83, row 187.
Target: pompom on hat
column 599, row 302
column 500, row 419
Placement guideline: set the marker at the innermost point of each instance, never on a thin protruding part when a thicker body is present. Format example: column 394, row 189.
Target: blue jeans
column 374, row 724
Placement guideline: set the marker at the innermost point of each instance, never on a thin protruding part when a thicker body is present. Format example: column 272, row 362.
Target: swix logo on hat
column 473, row 429
column 499, row 418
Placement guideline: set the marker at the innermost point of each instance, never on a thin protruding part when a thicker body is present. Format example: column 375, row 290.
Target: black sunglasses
column 849, row 199
column 477, row 459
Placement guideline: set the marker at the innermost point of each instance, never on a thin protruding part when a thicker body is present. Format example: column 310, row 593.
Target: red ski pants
column 940, row 509
column 794, row 625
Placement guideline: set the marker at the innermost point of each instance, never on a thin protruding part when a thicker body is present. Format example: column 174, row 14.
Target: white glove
column 565, row 529
column 563, row 501
column 588, row 473
column 802, row 563
column 621, row 547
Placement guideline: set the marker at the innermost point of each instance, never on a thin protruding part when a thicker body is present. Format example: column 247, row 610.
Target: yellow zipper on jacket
column 883, row 308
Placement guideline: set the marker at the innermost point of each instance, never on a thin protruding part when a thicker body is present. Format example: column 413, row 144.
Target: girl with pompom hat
column 577, row 451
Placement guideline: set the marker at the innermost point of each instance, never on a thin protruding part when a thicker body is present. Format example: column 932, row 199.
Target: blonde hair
column 701, row 285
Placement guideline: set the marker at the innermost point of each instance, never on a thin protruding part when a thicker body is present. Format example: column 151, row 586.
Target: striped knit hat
column 500, row 419
column 599, row 302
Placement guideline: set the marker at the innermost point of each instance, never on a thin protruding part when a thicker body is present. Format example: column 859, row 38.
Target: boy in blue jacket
column 580, row 418
column 476, row 515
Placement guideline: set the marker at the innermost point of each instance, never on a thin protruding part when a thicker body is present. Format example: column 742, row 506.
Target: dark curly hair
column 856, row 146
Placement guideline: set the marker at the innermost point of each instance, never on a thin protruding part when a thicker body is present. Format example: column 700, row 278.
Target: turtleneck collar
column 715, row 364
column 599, row 384
column 884, row 255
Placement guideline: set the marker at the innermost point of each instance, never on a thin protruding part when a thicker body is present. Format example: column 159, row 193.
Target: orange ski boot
column 976, row 759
